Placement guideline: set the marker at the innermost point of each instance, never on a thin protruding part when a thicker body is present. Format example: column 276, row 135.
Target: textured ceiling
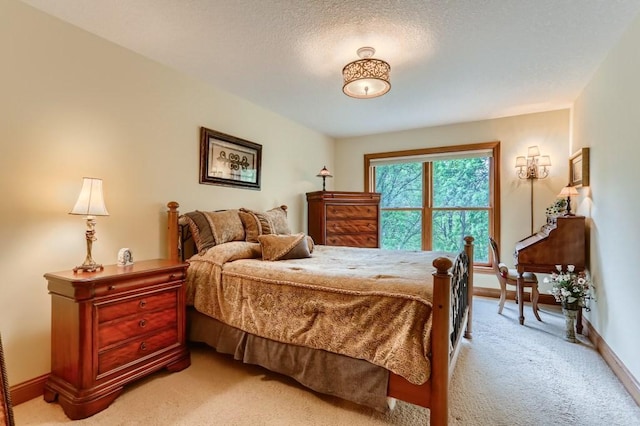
column 451, row 61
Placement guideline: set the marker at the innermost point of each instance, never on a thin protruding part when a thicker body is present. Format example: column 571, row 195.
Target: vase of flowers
column 573, row 290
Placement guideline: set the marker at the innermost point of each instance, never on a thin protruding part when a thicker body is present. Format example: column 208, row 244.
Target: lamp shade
column 90, row 201
column 568, row 191
column 366, row 77
column 521, row 161
column 544, row 160
column 324, row 172
column 533, row 151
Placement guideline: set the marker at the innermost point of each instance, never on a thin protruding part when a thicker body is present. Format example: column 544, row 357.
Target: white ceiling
column 451, row 61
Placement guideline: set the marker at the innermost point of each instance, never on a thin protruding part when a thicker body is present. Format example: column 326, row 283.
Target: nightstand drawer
column 139, row 304
column 136, row 349
column 136, row 325
column 352, row 212
column 122, row 285
column 351, row 226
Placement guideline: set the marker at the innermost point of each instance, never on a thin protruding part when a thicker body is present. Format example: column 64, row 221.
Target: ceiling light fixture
column 367, row 77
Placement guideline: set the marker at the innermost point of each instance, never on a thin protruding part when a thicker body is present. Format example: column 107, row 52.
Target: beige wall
column 74, row 105
column 606, row 118
column 548, row 130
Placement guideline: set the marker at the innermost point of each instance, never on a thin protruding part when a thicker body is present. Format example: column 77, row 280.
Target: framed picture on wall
column 229, row 161
column 579, row 168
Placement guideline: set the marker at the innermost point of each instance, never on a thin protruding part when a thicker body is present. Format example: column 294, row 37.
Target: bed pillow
column 211, row 228
column 252, row 227
column 282, row 247
column 200, row 230
column 226, row 226
column 278, row 216
column 272, row 221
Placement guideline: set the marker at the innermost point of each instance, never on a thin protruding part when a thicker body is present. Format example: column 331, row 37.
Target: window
column 434, row 197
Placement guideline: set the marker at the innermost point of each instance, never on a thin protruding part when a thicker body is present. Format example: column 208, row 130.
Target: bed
column 363, row 324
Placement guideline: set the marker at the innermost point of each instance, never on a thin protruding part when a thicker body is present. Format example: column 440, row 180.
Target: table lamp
column 90, row 204
column 568, row 191
column 324, row 174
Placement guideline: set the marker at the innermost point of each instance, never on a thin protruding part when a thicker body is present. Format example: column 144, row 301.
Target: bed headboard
column 180, row 242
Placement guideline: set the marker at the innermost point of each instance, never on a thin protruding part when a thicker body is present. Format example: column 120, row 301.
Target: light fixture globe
column 367, row 77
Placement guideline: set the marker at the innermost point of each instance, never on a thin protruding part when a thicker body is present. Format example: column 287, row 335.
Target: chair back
column 495, row 251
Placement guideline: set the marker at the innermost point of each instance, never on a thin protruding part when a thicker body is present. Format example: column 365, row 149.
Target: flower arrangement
column 570, row 287
column 559, row 207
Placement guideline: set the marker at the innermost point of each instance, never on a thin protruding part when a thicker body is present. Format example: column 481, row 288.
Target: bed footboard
column 452, row 313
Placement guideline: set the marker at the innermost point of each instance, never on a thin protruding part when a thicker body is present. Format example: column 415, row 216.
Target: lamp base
column 89, row 265
column 88, row 268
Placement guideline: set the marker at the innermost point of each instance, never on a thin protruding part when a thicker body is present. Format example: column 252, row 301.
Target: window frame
column 427, row 207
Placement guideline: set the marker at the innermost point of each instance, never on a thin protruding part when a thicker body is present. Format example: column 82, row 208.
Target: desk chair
column 507, row 276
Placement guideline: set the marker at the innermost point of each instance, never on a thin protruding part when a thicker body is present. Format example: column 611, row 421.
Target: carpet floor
column 506, row 375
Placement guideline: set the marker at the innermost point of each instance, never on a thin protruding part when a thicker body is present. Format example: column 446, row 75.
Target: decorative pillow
column 310, row 243
column 226, row 226
column 200, row 230
column 252, row 227
column 211, row 228
column 281, row 247
column 272, row 221
column 278, row 216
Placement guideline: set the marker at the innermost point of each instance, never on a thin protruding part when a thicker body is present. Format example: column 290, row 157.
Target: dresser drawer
column 136, row 349
column 359, row 240
column 135, row 305
column 336, row 211
column 354, row 226
column 136, row 325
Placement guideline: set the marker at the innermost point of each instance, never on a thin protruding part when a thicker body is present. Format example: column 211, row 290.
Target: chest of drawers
column 338, row 218
column 111, row 327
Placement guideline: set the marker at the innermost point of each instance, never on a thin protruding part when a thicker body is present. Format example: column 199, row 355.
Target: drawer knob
column 143, row 346
column 142, row 323
column 172, row 277
column 143, row 303
column 112, row 287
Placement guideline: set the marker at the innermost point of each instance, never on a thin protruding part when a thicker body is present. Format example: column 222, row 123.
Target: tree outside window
column 432, row 204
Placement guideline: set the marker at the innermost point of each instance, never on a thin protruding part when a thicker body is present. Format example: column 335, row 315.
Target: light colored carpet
column 507, row 375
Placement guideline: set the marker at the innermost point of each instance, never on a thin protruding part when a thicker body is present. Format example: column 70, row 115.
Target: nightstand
column 111, row 327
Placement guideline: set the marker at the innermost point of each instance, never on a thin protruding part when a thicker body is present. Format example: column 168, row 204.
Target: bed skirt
column 348, row 378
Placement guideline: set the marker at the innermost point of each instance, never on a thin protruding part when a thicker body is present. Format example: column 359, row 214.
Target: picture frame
column 579, row 168
column 229, row 161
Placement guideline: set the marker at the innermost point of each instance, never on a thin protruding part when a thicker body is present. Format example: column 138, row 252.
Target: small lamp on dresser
column 324, row 174
column 568, row 192
column 90, row 204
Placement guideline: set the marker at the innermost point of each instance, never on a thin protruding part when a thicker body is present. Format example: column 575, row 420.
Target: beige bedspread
column 364, row 303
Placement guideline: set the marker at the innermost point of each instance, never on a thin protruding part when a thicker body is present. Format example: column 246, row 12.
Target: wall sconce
column 324, row 174
column 90, row 204
column 533, row 166
column 568, row 191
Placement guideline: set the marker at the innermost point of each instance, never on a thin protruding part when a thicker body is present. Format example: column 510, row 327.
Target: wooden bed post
column 172, row 230
column 439, row 407
column 468, row 249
